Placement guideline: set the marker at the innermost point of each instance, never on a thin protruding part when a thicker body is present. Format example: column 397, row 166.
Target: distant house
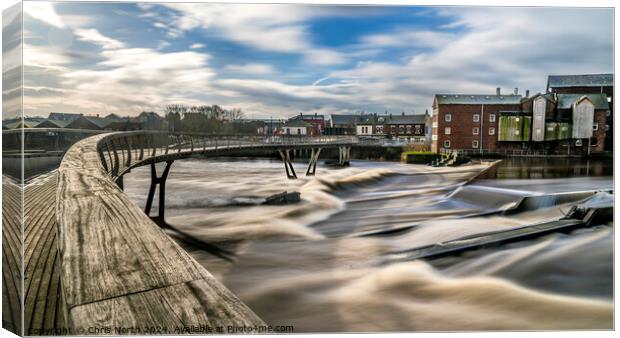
column 26, row 122
column 297, row 127
column 342, row 124
column 123, row 124
column 316, row 121
column 404, row 128
column 151, row 121
column 88, row 122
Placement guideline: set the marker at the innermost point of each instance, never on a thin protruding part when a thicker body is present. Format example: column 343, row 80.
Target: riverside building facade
column 561, row 121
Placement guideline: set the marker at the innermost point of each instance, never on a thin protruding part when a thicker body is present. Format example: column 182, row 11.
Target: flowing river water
column 319, row 265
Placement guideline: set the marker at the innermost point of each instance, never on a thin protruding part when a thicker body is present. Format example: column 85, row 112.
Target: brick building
column 404, row 128
column 574, row 123
column 466, row 122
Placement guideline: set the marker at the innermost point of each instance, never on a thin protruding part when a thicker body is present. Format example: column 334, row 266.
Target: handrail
column 122, row 151
column 118, row 268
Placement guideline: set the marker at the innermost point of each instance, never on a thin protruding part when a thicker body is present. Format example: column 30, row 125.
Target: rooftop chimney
column 516, row 91
column 403, row 114
column 527, row 93
column 498, row 91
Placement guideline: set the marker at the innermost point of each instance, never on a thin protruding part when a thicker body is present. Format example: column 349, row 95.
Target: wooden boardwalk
column 11, row 253
column 120, row 271
column 43, row 304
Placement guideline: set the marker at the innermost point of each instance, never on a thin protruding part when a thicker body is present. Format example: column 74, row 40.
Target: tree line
column 203, row 119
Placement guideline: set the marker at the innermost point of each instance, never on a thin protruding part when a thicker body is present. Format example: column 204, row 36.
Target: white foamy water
column 313, row 264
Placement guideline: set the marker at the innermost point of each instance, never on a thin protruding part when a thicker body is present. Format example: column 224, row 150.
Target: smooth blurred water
column 313, row 265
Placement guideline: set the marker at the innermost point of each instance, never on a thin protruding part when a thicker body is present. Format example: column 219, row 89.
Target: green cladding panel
column 526, row 128
column 551, row 131
column 564, row 131
column 514, row 128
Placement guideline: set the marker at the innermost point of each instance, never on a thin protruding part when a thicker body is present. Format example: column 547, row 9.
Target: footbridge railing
column 119, row 269
column 120, row 152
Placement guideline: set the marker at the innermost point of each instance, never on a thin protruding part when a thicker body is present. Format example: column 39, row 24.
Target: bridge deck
column 119, row 269
column 43, row 305
column 11, row 253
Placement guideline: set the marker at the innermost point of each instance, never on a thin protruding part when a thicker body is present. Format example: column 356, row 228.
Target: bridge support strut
column 344, row 155
column 161, row 181
column 288, row 164
column 314, row 157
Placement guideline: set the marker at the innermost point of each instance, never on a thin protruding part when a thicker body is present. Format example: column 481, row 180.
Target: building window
column 492, row 118
column 593, row 142
column 298, row 131
column 408, row 129
column 446, row 144
column 595, row 127
column 401, row 129
column 392, row 129
column 474, row 144
column 476, row 117
column 608, row 98
column 447, row 131
column 578, row 143
column 491, row 131
column 448, row 117
column 476, row 131
column 379, row 129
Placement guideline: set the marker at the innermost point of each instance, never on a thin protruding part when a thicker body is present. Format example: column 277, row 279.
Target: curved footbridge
column 118, row 268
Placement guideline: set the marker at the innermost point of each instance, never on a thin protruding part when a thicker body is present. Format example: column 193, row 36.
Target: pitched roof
column 583, row 80
column 344, row 119
column 565, row 101
column 63, row 116
column 477, row 99
column 308, row 116
column 297, row 123
column 53, row 123
column 99, row 121
column 113, row 117
column 406, row 119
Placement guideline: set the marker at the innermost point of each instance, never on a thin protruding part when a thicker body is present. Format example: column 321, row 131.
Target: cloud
column 406, row 38
column 45, row 12
column 126, row 80
column 251, row 68
column 93, row 36
column 272, row 28
column 162, row 44
column 399, row 69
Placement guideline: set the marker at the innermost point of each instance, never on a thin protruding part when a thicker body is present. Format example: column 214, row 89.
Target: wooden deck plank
column 173, row 308
column 41, row 269
column 11, row 256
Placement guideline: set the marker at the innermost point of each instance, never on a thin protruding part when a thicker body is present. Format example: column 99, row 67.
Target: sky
column 279, row 60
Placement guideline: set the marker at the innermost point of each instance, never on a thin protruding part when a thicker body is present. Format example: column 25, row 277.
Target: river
column 317, row 265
